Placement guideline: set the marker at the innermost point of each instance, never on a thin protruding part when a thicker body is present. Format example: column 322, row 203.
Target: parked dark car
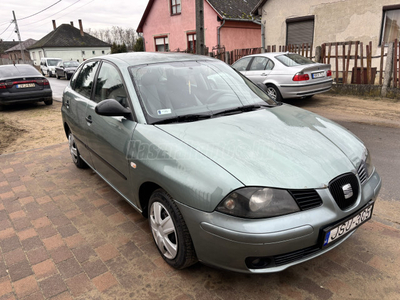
column 23, row 83
column 66, row 69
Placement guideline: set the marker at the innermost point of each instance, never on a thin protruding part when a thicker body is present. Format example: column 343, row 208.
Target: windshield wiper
column 240, row 109
column 184, row 118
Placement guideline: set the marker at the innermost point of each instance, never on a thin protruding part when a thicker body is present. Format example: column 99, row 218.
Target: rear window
column 292, row 59
column 53, row 62
column 18, row 70
column 70, row 64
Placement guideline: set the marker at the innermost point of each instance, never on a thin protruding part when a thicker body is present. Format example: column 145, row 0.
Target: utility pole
column 200, row 27
column 19, row 38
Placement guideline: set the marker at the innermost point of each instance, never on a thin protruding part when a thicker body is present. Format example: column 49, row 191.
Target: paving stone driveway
column 64, row 234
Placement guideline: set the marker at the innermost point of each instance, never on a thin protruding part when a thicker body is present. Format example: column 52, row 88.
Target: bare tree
column 116, row 35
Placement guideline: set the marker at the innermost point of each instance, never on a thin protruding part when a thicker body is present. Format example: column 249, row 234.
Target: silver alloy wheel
column 271, row 92
column 163, row 230
column 72, row 148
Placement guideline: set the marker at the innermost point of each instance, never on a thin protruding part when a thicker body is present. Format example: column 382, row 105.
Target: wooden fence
column 396, row 64
column 303, row 49
column 342, row 55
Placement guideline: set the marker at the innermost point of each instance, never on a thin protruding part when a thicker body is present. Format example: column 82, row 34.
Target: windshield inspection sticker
column 163, row 111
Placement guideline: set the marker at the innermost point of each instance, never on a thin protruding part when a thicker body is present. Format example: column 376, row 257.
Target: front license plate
column 25, row 85
column 340, row 230
column 318, row 75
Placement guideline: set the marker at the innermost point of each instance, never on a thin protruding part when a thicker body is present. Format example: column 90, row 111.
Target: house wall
column 335, row 20
column 68, row 53
column 239, row 35
column 16, row 55
column 159, row 22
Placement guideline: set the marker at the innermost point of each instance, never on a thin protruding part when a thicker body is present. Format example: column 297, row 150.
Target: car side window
column 83, row 82
column 241, row 65
column 270, row 65
column 109, row 85
column 259, row 63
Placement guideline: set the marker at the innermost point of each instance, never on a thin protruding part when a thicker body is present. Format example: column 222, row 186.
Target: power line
column 6, row 28
column 51, row 15
column 40, row 11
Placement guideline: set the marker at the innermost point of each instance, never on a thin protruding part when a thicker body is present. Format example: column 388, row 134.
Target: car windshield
column 52, row 62
column 17, row 70
column 194, row 88
column 292, row 59
column 71, row 64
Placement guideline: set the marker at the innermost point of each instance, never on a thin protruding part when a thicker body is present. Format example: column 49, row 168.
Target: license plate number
column 318, row 75
column 25, row 85
column 340, row 230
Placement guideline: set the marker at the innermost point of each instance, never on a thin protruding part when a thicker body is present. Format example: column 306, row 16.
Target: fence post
column 388, row 70
column 318, row 54
column 227, row 56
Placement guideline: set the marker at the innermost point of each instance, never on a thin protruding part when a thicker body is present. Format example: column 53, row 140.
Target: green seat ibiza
column 225, row 175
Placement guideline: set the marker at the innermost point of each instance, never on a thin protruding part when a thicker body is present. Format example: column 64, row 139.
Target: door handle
column 89, row 119
column 264, row 74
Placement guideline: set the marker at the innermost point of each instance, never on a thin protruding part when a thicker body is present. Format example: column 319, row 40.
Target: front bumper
column 227, row 242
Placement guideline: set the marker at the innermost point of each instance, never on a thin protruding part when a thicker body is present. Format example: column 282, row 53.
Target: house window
column 191, row 42
column 390, row 25
column 83, row 52
column 102, row 52
column 93, row 52
column 175, row 7
column 300, row 30
column 162, row 44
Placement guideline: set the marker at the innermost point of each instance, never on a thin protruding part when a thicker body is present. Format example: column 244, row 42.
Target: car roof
column 140, row 58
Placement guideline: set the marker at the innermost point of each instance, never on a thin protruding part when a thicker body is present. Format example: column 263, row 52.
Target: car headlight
column 255, row 202
column 368, row 163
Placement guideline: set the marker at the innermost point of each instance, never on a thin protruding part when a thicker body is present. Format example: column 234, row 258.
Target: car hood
column 284, row 147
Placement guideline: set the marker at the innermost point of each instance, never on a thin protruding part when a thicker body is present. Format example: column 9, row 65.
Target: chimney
column 72, row 24
column 54, row 24
column 80, row 27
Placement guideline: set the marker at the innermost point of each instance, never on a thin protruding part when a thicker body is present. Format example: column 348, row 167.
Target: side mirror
column 112, row 108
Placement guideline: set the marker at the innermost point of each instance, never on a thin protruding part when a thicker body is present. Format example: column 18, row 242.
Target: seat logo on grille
column 347, row 191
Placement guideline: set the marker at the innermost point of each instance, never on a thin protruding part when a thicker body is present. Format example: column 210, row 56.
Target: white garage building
column 68, row 43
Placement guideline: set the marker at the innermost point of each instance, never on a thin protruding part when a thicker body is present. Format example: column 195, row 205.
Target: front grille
column 337, row 188
column 284, row 259
column 306, row 199
column 362, row 173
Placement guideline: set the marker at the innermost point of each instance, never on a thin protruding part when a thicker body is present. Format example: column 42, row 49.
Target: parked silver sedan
column 286, row 75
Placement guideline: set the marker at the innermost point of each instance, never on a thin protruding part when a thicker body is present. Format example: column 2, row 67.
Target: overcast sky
column 95, row 14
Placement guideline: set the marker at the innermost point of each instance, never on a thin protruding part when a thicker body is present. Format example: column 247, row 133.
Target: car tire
column 273, row 92
column 48, row 102
column 68, row 76
column 58, row 77
column 49, row 73
column 73, row 150
column 175, row 245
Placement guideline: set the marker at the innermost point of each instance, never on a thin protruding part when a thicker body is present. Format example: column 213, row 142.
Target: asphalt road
column 383, row 144
column 57, row 86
